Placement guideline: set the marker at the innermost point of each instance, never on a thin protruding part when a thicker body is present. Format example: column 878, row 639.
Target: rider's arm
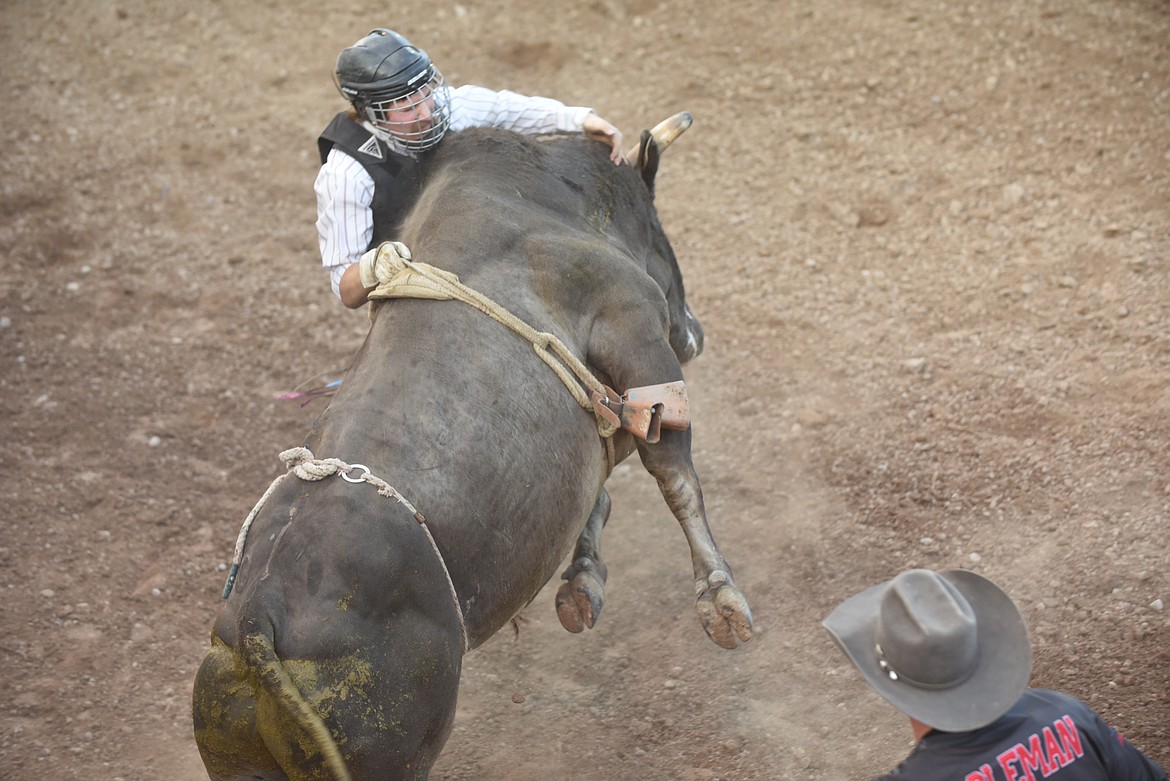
column 473, row 106
column 345, row 222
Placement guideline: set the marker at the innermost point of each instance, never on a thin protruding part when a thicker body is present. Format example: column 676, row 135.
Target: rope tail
column 261, row 655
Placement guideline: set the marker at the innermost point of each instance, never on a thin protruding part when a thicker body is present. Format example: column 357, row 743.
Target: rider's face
column 413, row 115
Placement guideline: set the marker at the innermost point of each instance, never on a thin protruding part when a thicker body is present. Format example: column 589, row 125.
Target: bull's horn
column 665, row 132
column 668, row 130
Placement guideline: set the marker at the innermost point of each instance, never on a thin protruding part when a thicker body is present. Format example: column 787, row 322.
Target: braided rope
column 300, row 462
column 548, row 347
column 542, row 342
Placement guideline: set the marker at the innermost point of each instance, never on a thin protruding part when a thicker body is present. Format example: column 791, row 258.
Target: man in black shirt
column 951, row 651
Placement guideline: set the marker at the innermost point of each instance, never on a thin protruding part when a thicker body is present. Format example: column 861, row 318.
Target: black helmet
column 384, row 75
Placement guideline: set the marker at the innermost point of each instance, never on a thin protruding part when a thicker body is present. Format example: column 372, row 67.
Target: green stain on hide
column 243, row 722
column 226, row 714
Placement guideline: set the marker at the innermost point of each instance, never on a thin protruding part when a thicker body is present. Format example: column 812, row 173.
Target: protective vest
column 397, row 177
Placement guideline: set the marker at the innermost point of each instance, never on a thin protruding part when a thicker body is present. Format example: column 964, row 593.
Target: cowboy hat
column 949, row 649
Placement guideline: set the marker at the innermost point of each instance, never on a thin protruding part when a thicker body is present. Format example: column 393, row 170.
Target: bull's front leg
column 722, row 608
column 580, row 597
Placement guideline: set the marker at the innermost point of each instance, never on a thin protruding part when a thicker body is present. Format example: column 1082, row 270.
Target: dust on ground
column 929, row 243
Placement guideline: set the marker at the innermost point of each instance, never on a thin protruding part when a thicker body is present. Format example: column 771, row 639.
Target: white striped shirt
column 345, row 190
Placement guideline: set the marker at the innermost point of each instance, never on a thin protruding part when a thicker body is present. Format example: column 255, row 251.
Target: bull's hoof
column 723, row 610
column 580, row 598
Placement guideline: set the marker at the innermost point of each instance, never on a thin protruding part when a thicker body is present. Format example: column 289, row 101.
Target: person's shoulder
column 1052, row 707
column 467, row 101
column 923, row 763
column 472, row 92
column 1053, row 698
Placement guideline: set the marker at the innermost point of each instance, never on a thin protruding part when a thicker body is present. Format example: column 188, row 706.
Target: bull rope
column 396, row 281
column 300, row 461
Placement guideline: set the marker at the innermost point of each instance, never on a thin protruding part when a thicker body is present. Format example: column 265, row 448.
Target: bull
column 454, row 471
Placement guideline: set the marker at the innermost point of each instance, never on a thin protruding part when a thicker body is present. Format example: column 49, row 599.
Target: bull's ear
column 648, row 159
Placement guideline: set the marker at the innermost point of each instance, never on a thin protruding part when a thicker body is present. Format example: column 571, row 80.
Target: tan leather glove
column 382, row 262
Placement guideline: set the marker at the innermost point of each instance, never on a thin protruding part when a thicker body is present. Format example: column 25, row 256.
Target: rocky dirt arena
column 930, row 245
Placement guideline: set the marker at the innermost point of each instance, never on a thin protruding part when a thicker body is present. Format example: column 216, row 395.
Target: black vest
column 397, row 177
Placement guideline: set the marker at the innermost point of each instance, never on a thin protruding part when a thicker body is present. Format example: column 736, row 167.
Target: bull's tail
column 261, row 656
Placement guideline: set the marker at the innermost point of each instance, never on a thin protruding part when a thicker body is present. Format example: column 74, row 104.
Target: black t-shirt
column 1046, row 735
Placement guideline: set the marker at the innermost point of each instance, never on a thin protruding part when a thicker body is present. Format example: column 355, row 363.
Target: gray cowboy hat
column 949, row 649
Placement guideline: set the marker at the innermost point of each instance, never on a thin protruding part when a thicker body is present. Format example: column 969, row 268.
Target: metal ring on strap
column 360, row 479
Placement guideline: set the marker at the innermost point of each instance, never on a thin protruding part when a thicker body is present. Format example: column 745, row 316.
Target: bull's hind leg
column 722, row 608
column 580, row 598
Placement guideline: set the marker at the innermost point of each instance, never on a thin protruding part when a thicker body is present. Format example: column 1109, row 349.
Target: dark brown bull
column 338, row 652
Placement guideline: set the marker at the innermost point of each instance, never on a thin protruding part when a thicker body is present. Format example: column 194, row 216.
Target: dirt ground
column 929, row 243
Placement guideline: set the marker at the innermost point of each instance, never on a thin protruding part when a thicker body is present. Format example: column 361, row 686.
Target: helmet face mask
column 418, row 120
column 393, row 85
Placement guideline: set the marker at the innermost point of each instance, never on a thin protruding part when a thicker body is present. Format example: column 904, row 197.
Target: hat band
column 894, row 675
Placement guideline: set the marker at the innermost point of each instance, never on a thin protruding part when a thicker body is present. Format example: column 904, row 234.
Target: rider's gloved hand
column 382, row 262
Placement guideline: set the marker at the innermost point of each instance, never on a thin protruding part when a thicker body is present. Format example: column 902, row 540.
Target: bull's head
column 686, row 332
